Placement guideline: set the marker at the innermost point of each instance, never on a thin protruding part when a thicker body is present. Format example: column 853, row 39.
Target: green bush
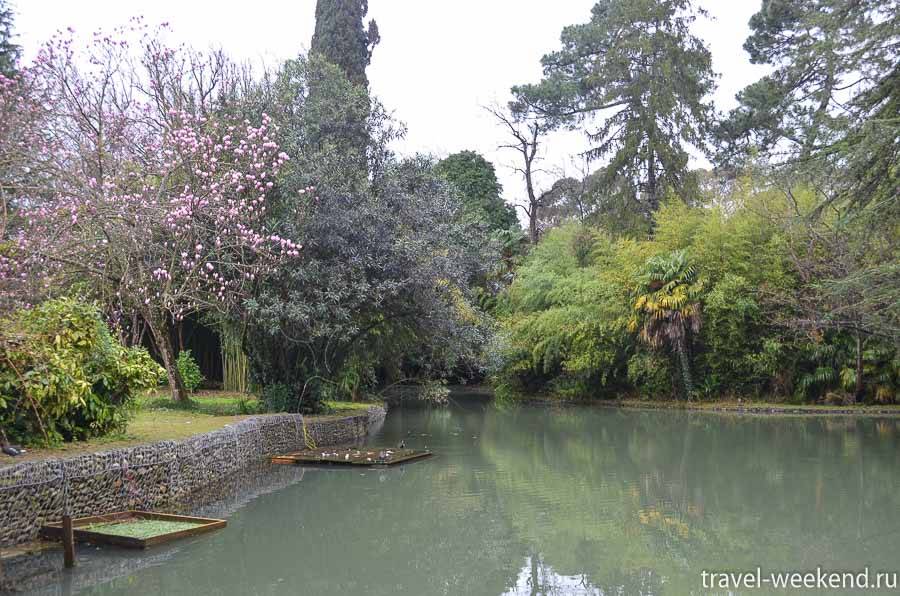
column 652, row 375
column 277, row 397
column 563, row 321
column 190, row 370
column 733, row 336
column 63, row 376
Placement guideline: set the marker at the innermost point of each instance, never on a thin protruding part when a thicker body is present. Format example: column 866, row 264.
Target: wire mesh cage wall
column 153, row 476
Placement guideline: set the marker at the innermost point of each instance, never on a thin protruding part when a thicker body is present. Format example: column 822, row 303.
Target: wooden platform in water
column 355, row 456
column 102, row 529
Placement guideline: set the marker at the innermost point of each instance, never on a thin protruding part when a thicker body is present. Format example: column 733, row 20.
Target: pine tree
column 637, row 72
column 829, row 106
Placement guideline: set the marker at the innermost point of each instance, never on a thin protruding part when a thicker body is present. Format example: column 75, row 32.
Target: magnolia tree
column 158, row 199
column 24, row 151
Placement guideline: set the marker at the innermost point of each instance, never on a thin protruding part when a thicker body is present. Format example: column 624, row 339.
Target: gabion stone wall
column 156, row 475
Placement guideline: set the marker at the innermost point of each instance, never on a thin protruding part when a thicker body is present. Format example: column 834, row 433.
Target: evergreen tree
column 340, row 38
column 831, row 100
column 340, row 41
column 476, row 180
column 637, row 69
column 9, row 52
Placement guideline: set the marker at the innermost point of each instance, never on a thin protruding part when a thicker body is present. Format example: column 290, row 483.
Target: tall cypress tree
column 340, row 38
column 9, row 52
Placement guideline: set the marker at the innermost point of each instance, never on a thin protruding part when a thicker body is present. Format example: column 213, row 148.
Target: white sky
column 438, row 62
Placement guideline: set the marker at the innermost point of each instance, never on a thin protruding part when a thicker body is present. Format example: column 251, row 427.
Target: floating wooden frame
column 367, row 456
column 202, row 525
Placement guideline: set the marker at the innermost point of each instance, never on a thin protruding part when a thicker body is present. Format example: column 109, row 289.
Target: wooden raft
column 367, row 456
column 202, row 525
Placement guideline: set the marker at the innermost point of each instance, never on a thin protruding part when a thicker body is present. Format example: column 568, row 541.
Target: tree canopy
column 159, row 183
column 476, row 180
column 9, row 51
column 831, row 99
column 339, row 37
column 637, row 81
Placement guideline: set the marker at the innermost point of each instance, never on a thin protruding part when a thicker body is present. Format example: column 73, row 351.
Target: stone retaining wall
column 157, row 475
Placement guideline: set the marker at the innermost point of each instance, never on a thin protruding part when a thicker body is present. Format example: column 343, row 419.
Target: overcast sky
column 438, row 62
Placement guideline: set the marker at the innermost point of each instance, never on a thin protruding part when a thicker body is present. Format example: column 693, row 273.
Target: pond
column 541, row 500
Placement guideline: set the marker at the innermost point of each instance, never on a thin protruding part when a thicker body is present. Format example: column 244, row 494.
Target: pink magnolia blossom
column 160, row 207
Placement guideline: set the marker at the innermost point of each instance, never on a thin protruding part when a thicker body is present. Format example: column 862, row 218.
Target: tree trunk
column 163, row 339
column 681, row 348
column 652, row 184
column 860, row 388
column 179, row 331
column 533, row 226
column 533, row 203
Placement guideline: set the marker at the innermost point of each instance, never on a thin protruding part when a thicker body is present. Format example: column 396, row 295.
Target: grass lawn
column 158, row 418
column 223, row 403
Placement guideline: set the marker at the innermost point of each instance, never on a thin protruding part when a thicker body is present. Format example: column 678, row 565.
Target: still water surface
column 576, row 500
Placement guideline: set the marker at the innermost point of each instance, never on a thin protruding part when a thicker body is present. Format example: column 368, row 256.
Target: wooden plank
column 186, row 533
column 173, row 517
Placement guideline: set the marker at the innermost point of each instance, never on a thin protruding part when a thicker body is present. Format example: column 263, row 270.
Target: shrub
column 651, row 373
column 63, row 376
column 564, row 319
column 190, row 370
column 733, row 337
column 225, row 404
column 435, row 393
column 277, row 397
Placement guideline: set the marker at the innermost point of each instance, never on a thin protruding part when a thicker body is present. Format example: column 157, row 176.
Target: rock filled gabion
column 156, row 475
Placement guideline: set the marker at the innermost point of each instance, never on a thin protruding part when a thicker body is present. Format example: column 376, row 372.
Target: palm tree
column 667, row 307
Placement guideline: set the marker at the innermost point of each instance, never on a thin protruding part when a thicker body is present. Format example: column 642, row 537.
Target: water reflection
column 539, row 579
column 559, row 501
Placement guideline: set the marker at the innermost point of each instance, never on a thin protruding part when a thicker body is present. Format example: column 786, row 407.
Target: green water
column 575, row 500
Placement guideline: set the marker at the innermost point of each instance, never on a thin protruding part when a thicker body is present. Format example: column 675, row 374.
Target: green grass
column 721, row 404
column 222, row 403
column 140, row 528
column 144, row 426
column 211, row 403
column 348, row 407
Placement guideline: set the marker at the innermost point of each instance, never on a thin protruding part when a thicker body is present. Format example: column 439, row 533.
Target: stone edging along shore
column 156, row 475
column 749, row 408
